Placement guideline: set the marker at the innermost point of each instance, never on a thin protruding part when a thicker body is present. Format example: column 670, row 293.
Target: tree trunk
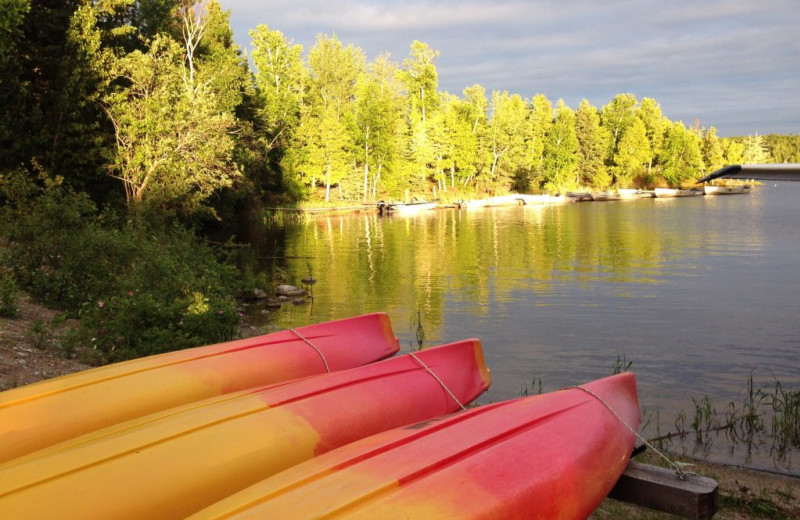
column 328, row 183
column 366, row 164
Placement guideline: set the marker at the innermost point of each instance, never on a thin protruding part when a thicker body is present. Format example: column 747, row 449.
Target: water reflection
column 698, row 292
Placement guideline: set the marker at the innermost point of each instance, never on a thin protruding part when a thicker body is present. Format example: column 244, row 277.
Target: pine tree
column 755, row 151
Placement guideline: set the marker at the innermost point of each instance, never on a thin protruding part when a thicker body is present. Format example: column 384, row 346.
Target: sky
column 731, row 64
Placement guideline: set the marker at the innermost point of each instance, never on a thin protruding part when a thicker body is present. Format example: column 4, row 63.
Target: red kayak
column 550, row 456
column 174, row 463
column 45, row 413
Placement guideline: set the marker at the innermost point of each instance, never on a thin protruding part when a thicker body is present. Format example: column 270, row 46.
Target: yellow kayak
column 45, row 413
column 174, row 463
column 552, row 456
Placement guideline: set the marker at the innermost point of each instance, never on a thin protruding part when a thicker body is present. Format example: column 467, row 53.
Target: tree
column 655, row 124
column 616, row 116
column 421, row 79
column 281, row 78
column 53, row 69
column 633, row 154
column 592, row 147
column 681, row 155
column 755, row 151
column 561, row 151
column 713, row 155
column 476, row 112
column 539, row 123
column 173, row 143
column 334, row 72
column 377, row 113
column 509, row 114
column 733, row 150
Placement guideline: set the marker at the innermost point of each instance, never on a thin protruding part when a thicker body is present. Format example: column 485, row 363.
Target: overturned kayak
column 550, row 456
column 45, row 413
column 174, row 463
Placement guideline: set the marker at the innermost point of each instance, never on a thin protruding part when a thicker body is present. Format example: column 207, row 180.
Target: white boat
column 580, row 196
column 405, row 208
column 492, row 202
column 622, row 194
column 667, row 193
column 726, row 190
column 537, row 200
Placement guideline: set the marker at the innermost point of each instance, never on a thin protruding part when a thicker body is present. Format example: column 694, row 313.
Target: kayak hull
column 45, row 413
column 551, row 456
column 174, row 463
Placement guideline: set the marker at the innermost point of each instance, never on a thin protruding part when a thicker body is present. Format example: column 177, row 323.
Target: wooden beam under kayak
column 660, row 489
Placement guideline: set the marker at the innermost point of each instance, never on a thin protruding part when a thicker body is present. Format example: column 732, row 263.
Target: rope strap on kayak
column 677, row 466
column 327, row 368
column 438, row 380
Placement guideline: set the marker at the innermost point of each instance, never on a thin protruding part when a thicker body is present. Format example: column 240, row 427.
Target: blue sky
column 732, row 64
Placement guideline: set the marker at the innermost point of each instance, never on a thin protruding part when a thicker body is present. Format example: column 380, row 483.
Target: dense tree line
column 151, row 102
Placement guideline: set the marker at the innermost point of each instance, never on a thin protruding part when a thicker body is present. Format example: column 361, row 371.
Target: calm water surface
column 698, row 293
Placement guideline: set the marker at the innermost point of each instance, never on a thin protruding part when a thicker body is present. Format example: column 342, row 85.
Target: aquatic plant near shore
column 744, row 423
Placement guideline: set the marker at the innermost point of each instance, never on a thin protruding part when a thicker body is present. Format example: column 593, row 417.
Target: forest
column 129, row 128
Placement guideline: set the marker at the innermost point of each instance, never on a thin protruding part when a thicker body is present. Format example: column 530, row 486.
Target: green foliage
column 561, row 152
column 633, row 154
column 173, row 141
column 592, row 147
column 506, row 143
column 138, row 288
column 681, row 157
column 280, row 78
column 616, row 116
column 713, row 154
column 121, row 87
column 783, row 148
column 8, row 296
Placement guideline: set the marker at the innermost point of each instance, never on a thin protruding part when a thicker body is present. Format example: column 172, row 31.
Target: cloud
column 725, row 61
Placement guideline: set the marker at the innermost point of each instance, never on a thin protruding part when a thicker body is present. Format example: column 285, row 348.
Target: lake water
column 697, row 293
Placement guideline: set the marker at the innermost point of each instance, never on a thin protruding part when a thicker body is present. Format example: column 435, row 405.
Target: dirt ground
column 29, row 347
column 30, row 352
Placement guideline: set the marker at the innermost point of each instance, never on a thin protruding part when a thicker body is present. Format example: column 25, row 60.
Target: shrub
column 138, row 287
column 8, row 296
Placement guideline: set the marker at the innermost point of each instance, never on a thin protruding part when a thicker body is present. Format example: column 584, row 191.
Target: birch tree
column 280, row 78
column 334, row 71
column 174, row 145
column 561, row 151
column 592, row 147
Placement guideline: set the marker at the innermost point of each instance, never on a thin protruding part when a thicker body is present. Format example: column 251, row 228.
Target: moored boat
column 172, row 464
column 710, row 189
column 538, row 200
column 548, row 456
column 493, row 202
column 666, row 193
column 403, row 208
column 580, row 196
column 35, row 416
column 621, row 194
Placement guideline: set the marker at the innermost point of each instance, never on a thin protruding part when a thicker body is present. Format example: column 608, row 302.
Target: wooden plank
column 662, row 490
